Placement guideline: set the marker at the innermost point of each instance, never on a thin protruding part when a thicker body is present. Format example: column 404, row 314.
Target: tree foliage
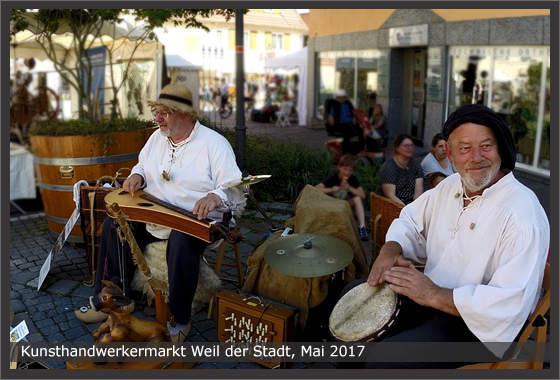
column 83, row 24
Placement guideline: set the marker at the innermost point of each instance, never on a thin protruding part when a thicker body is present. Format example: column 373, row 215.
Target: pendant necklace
column 175, row 152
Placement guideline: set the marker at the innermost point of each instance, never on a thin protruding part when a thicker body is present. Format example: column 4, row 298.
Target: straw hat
column 177, row 98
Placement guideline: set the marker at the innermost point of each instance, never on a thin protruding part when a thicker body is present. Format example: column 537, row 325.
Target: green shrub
column 291, row 166
column 369, row 179
column 78, row 127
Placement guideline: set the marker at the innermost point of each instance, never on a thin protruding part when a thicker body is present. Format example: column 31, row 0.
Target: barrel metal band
column 48, row 186
column 59, row 220
column 86, row 160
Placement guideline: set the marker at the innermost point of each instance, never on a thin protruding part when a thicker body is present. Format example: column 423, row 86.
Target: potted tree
column 96, row 143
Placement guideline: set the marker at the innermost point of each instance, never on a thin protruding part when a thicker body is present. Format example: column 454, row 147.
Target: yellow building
column 421, row 64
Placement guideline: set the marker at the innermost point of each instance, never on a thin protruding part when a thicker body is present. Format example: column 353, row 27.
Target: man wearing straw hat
column 188, row 165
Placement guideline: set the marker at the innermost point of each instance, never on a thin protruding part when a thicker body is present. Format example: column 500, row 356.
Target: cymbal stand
column 249, row 194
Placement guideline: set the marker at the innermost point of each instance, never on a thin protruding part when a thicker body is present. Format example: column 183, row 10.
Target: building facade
column 268, row 33
column 422, row 64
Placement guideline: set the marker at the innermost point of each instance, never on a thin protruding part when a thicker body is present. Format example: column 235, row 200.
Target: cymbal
column 308, row 255
column 249, row 180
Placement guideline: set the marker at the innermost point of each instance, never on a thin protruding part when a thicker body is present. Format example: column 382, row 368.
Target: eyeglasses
column 164, row 114
column 407, row 145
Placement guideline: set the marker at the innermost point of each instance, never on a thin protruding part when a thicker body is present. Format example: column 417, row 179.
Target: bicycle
column 226, row 110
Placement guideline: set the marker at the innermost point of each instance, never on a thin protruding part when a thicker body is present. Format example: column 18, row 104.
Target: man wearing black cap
column 483, row 237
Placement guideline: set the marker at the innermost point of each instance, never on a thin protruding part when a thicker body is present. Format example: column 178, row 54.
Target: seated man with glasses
column 187, row 165
column 484, row 239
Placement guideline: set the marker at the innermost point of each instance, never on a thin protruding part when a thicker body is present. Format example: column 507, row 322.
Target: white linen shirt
column 496, row 268
column 206, row 164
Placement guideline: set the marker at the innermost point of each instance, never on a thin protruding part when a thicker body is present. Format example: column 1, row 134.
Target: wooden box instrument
column 245, row 318
column 144, row 207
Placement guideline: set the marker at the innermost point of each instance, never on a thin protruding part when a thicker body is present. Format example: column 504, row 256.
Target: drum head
column 364, row 314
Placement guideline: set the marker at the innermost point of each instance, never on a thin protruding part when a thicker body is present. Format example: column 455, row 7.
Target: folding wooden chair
column 537, row 324
column 383, row 212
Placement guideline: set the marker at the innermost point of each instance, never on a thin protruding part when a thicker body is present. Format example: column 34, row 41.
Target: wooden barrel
column 62, row 161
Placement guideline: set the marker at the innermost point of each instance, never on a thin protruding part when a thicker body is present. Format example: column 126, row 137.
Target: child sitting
column 346, row 186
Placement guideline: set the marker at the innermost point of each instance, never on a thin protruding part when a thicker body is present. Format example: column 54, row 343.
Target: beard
column 477, row 182
column 165, row 133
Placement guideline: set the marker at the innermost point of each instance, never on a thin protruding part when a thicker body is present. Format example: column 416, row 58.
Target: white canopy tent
column 122, row 45
column 297, row 60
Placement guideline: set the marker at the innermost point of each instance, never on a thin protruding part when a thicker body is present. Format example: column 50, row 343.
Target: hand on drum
column 412, row 283
column 389, row 256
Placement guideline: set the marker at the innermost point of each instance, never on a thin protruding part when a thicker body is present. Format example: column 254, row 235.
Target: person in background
column 436, row 163
column 436, row 178
column 224, row 93
column 342, row 119
column 346, row 186
column 378, row 123
column 402, row 179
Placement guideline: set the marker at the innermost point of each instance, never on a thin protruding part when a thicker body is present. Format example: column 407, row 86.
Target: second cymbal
column 248, row 180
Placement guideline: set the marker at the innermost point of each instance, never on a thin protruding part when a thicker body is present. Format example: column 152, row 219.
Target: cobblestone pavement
column 49, row 313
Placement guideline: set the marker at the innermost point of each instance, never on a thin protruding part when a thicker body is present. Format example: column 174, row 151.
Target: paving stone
column 50, row 330
column 23, row 278
column 44, row 323
column 62, row 287
column 74, row 333
column 17, row 305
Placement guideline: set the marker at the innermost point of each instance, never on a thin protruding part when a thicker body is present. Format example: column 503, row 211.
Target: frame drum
column 364, row 313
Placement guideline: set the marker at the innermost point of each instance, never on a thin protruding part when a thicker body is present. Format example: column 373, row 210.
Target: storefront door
column 414, row 92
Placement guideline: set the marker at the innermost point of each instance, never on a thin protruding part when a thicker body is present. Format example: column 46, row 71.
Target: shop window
column 511, row 81
column 354, row 71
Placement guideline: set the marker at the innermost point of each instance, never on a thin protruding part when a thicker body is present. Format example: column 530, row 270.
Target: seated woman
column 436, row 163
column 401, row 177
column 378, row 123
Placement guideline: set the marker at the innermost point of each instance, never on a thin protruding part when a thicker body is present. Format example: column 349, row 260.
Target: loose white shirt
column 205, row 164
column 496, row 267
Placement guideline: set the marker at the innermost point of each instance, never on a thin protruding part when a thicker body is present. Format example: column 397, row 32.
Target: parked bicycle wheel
column 226, row 110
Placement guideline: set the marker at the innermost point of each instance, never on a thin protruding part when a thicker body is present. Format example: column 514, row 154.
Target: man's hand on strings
column 204, row 205
column 133, row 183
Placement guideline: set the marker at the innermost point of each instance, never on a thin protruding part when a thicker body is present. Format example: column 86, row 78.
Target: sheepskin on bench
column 209, row 283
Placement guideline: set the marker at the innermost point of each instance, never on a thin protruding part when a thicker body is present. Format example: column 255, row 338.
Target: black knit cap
column 482, row 115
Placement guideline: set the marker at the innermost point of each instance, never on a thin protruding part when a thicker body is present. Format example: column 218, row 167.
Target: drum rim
column 382, row 331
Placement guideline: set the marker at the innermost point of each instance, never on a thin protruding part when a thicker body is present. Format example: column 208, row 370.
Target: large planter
column 61, row 161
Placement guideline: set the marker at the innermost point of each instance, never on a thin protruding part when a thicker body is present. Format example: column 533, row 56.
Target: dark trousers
column 183, row 263
column 353, row 138
column 416, row 324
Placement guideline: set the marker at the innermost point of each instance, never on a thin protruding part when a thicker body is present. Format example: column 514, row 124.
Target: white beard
column 165, row 133
column 475, row 184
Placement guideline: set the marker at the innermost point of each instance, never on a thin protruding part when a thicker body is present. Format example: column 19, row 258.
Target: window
column 354, row 71
column 515, row 82
column 274, row 41
column 219, row 35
